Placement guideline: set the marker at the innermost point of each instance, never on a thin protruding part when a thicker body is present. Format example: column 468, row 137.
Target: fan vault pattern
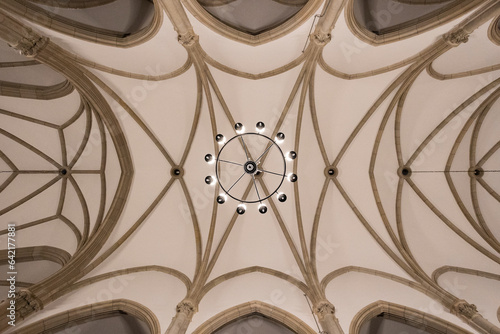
column 396, row 208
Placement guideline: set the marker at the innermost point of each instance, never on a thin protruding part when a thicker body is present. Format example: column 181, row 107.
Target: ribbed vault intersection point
column 6, row 171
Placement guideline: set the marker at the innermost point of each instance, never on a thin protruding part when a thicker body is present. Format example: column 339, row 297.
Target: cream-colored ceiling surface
column 92, row 132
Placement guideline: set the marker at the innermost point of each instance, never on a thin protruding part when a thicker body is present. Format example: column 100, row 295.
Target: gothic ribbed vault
column 108, row 107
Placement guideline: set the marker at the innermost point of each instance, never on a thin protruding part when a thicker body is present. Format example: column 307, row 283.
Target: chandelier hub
column 250, row 167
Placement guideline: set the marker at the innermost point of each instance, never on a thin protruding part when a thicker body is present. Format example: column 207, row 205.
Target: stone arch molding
column 91, row 312
column 35, row 253
column 223, row 29
column 33, row 12
column 418, row 319
column 254, row 307
column 39, row 47
column 494, row 31
column 410, row 28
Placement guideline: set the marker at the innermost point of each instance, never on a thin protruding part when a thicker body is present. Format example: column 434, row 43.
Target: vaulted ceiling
column 108, row 108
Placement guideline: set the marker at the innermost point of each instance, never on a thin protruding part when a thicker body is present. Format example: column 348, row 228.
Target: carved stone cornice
column 456, row 37
column 464, row 309
column 27, row 303
column 321, row 38
column 186, row 307
column 31, row 43
column 188, row 39
column 324, row 308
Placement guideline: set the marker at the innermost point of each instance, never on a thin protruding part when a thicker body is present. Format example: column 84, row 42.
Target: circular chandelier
column 242, row 158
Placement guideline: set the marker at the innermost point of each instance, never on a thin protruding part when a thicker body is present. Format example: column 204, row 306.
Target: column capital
column 323, row 309
column 186, row 307
column 27, row 303
column 188, row 39
column 463, row 308
column 321, row 38
column 456, row 37
column 31, row 43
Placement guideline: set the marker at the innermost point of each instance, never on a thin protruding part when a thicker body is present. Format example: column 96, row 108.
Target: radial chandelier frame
column 250, row 167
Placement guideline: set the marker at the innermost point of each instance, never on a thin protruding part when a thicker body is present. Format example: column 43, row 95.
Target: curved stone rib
column 31, row 195
column 37, row 92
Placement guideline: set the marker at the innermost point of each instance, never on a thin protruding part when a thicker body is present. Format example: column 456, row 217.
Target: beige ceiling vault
column 104, row 127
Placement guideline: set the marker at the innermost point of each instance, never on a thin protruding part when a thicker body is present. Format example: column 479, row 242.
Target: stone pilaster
column 325, row 312
column 468, row 313
column 184, row 313
column 177, row 15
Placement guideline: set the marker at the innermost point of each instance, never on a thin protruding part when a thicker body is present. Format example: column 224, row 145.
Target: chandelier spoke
column 266, row 171
column 236, row 182
column 257, row 190
column 230, row 162
column 267, row 149
column 245, row 147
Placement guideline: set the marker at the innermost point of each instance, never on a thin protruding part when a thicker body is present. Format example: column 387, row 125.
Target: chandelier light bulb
column 221, row 199
column 280, row 137
column 260, row 126
column 239, row 128
column 292, row 177
column 210, row 180
column 262, row 208
column 241, row 209
column 209, row 158
column 292, row 155
column 281, row 197
column 220, row 138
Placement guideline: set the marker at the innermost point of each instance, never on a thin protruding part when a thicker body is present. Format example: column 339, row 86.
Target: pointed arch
column 66, row 25
column 92, row 312
column 290, row 24
column 421, row 320
column 411, row 27
column 255, row 307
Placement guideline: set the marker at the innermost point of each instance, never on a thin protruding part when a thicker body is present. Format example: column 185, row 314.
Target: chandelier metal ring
column 250, row 167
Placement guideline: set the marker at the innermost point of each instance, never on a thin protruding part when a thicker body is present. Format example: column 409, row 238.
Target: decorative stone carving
column 465, row 309
column 457, row 37
column 321, row 38
column 31, row 43
column 187, row 307
column 187, row 39
column 324, row 308
column 27, row 303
